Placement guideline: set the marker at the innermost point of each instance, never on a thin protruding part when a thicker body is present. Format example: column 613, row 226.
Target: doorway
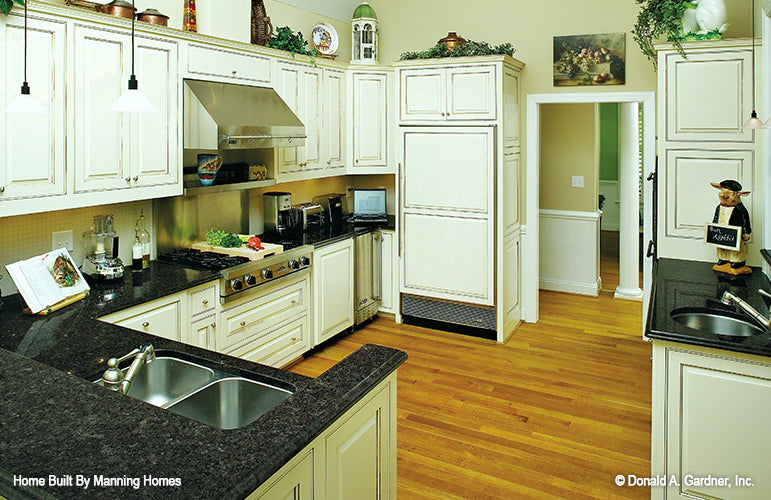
column 630, row 103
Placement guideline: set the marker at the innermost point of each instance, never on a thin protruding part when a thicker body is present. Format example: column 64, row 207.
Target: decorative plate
column 324, row 39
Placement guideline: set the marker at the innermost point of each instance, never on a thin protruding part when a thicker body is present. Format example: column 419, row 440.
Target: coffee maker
column 101, row 245
column 277, row 208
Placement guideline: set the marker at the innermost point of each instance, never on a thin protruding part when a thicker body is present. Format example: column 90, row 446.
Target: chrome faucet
column 114, row 379
column 729, row 298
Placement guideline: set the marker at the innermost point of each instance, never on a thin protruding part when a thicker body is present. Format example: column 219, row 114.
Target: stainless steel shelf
column 193, row 190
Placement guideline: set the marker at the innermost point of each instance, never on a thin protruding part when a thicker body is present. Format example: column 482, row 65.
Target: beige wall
column 568, row 149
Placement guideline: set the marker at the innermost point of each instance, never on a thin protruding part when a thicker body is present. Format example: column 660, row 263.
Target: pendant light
column 24, row 103
column 132, row 100
column 753, row 121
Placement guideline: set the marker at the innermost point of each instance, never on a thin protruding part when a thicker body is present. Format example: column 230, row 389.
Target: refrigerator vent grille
column 450, row 312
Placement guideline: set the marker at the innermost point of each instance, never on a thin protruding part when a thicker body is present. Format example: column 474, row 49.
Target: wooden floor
column 556, row 412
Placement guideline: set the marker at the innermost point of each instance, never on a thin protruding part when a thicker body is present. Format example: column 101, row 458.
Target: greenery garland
column 285, row 39
column 657, row 18
column 469, row 48
column 5, row 5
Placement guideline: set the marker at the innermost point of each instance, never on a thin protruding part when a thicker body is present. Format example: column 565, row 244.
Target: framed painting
column 597, row 59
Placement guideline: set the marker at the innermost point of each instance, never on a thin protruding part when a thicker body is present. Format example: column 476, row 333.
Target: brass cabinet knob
column 146, row 324
column 234, row 72
column 243, row 323
column 2, row 189
column 205, row 302
column 128, row 180
column 136, row 178
column 213, row 325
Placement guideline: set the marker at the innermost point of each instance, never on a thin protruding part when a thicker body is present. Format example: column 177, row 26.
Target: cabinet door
column 333, row 295
column 154, row 152
column 32, row 145
column 471, row 93
column 370, row 120
column 389, row 285
column 203, row 333
column 359, row 454
column 448, row 169
column 288, row 86
column 423, row 95
column 239, row 67
column 511, row 198
column 294, row 481
column 511, row 307
column 448, row 257
column 311, row 116
column 334, row 121
column 101, row 159
column 717, row 423
column 163, row 320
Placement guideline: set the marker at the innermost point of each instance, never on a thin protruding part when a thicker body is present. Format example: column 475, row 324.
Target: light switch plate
column 577, row 181
column 61, row 239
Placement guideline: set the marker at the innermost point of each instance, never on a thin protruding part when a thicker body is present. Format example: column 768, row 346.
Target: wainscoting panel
column 570, row 251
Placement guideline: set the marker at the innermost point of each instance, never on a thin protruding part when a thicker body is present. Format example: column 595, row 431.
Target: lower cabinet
column 333, row 292
column 710, row 415
column 355, row 457
column 389, row 278
column 161, row 317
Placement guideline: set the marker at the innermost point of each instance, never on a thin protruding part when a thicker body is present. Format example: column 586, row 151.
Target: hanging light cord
column 25, row 85
column 133, row 84
column 753, row 55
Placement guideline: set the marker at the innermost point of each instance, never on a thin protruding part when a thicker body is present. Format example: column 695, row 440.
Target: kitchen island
column 711, row 390
column 56, row 424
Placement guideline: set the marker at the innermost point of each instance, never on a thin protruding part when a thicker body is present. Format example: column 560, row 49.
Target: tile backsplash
column 25, row 236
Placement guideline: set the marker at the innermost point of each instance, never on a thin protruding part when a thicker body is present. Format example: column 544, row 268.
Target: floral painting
column 597, row 59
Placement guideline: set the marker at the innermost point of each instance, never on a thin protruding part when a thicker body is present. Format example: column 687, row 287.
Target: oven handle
column 254, row 291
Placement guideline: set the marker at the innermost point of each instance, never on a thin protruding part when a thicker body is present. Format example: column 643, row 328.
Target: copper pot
column 152, row 16
column 452, row 40
column 119, row 8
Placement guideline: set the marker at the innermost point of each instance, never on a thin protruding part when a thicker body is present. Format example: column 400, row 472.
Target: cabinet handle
column 2, row 189
column 205, row 302
column 294, row 302
column 128, row 180
column 234, row 72
column 146, row 324
column 294, row 339
column 213, row 325
column 136, row 178
column 243, row 323
column 356, row 160
column 329, row 161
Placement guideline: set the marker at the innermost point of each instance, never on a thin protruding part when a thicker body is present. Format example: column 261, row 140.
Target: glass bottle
column 144, row 239
column 136, row 252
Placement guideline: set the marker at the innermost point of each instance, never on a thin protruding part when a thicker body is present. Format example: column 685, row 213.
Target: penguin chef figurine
column 731, row 211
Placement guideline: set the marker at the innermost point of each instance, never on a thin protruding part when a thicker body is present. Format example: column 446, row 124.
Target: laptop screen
column 369, row 202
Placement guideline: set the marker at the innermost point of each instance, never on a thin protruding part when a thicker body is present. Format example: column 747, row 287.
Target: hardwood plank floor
column 556, row 412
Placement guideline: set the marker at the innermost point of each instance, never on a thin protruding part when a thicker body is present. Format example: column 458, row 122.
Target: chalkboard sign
column 723, row 236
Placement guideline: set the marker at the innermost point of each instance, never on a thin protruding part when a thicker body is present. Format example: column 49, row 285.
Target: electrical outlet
column 577, row 181
column 61, row 239
column 348, row 189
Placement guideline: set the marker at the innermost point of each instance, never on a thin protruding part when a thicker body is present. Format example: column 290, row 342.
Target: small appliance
column 101, row 245
column 305, row 215
column 277, row 211
column 333, row 206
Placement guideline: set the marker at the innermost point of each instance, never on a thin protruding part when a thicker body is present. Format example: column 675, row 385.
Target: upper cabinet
column 118, row 151
column 370, row 123
column 205, row 62
column 448, row 93
column 32, row 146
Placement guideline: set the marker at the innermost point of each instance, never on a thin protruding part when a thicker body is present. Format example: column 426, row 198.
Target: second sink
column 716, row 321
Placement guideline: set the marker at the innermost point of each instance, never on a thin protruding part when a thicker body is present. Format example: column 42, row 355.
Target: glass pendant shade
column 25, row 103
column 132, row 100
column 753, row 121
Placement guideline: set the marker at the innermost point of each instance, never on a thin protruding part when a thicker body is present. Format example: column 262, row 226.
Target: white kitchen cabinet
column 33, row 146
column 333, row 290
column 209, row 62
column 355, row 457
column 511, row 285
column 370, row 122
column 203, row 333
column 703, row 139
column 202, row 316
column 162, row 317
column 334, row 122
column 120, row 151
column 448, row 93
column 710, row 412
column 389, row 278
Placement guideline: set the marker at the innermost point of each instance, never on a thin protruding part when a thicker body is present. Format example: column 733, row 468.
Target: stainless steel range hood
column 230, row 116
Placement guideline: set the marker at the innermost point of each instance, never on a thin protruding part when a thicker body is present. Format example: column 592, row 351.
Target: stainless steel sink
column 230, row 403
column 716, row 321
column 208, row 395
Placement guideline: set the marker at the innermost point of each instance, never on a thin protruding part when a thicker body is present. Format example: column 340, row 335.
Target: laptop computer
column 369, row 206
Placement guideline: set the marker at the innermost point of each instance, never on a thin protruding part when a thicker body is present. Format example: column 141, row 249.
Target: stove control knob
column 305, row 261
column 250, row 279
column 236, row 284
column 267, row 274
column 293, row 264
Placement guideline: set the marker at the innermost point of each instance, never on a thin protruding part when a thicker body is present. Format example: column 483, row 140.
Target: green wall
column 608, row 141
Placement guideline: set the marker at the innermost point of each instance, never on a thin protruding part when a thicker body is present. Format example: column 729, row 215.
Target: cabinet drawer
column 245, row 320
column 276, row 346
column 203, row 300
column 163, row 321
column 216, row 61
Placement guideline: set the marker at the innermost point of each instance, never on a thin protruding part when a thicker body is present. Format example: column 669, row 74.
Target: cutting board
column 242, row 251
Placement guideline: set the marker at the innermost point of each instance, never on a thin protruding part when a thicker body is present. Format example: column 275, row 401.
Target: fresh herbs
column 657, row 18
column 5, row 5
column 285, row 39
column 219, row 238
column 469, row 48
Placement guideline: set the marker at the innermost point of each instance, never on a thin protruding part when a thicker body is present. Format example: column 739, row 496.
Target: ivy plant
column 657, row 18
column 286, row 39
column 5, row 5
column 469, row 48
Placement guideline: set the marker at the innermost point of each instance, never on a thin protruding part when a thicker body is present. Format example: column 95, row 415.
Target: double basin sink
column 202, row 393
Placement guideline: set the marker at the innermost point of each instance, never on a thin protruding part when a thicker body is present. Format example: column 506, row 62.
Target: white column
column 629, row 235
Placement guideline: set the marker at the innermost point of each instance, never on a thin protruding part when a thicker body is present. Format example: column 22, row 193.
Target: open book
column 48, row 282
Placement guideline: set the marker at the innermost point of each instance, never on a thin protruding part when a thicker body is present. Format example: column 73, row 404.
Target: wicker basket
column 262, row 29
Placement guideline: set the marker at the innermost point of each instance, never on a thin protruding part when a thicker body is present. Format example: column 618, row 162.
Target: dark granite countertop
column 682, row 283
column 55, row 421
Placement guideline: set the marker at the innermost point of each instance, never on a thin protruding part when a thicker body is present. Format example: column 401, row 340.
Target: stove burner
column 196, row 259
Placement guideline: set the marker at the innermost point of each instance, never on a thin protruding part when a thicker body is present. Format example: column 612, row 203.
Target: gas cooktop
column 197, row 259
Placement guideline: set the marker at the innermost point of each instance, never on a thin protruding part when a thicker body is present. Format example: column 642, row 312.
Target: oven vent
column 449, row 312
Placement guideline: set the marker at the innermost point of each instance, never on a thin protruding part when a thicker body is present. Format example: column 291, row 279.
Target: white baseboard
column 592, row 289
